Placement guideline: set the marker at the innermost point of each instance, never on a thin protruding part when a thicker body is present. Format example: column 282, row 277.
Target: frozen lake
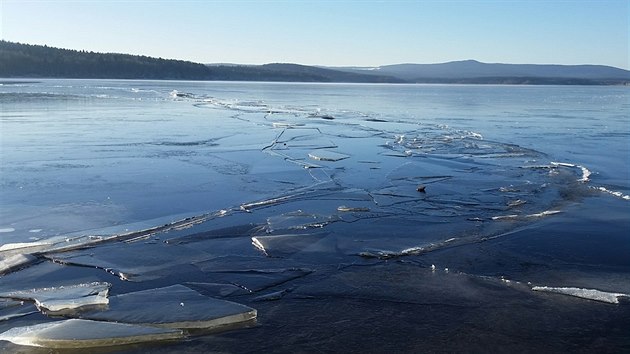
column 332, row 217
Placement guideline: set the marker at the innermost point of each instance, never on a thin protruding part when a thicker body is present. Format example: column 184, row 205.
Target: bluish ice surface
column 284, row 197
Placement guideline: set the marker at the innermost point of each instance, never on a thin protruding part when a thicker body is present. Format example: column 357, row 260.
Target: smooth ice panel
column 299, row 220
column 327, row 155
column 137, row 261
column 12, row 309
column 175, row 306
column 248, row 277
column 285, row 245
column 76, row 333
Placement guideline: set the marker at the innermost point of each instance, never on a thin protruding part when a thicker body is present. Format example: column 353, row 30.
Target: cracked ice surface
column 76, row 333
column 253, row 200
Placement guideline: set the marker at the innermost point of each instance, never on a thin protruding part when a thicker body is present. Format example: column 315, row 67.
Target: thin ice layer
column 137, row 261
column 327, row 155
column 590, row 294
column 174, row 306
column 252, row 280
column 284, row 245
column 9, row 263
column 62, row 298
column 298, row 220
column 11, row 309
column 76, row 333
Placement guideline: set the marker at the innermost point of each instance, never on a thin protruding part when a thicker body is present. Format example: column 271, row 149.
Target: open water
column 352, row 218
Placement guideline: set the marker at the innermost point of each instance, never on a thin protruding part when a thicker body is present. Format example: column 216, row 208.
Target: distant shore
column 25, row 61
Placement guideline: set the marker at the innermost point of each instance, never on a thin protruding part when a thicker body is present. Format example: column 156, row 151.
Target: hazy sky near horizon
column 334, row 33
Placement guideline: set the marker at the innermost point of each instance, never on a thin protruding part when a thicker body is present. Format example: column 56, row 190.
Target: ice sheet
column 253, row 280
column 285, row 245
column 9, row 263
column 11, row 309
column 314, row 188
column 137, row 261
column 76, row 333
column 408, row 283
column 175, row 306
column 327, row 155
column 70, row 297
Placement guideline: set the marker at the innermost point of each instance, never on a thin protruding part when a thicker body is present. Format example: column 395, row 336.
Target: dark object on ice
column 421, row 188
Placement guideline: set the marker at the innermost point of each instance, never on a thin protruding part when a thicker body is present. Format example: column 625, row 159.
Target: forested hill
column 36, row 61
column 23, row 60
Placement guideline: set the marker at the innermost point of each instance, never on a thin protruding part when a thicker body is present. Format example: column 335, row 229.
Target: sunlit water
column 327, row 203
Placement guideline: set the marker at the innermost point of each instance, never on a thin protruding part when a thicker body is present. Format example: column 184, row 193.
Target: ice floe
column 175, row 306
column 327, row 155
column 63, row 298
column 288, row 244
column 137, row 261
column 77, row 333
column 11, row 309
column 9, row 263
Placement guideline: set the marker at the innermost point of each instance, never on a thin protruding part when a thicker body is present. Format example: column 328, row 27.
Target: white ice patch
column 14, row 261
column 530, row 216
column 64, row 297
column 6, row 229
column 590, row 294
column 614, row 193
column 23, row 245
column 586, row 173
column 544, row 213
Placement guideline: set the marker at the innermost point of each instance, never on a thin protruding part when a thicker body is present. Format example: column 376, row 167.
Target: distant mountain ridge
column 36, row 61
column 472, row 70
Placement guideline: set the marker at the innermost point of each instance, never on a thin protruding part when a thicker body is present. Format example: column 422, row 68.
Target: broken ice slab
column 175, row 306
column 298, row 220
column 54, row 244
column 414, row 234
column 348, row 209
column 302, row 138
column 63, row 298
column 286, row 245
column 12, row 262
column 200, row 233
column 327, row 155
column 247, row 272
column 311, row 192
column 405, row 283
column 11, row 309
column 138, row 261
column 217, row 289
column 286, row 124
column 11, row 249
column 77, row 333
column 589, row 294
column 273, row 296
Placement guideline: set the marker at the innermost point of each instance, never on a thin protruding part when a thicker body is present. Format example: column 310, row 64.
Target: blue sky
column 335, row 33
